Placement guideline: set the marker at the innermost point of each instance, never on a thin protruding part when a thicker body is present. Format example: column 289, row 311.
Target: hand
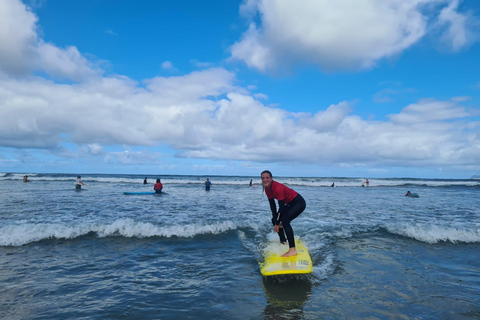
column 276, row 228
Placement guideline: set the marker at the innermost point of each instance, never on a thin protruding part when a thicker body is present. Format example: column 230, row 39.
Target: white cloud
column 458, row 32
column 341, row 34
column 205, row 115
column 430, row 110
column 167, row 65
column 17, row 36
column 22, row 51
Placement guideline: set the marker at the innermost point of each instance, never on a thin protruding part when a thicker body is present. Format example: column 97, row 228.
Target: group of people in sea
column 290, row 205
column 158, row 187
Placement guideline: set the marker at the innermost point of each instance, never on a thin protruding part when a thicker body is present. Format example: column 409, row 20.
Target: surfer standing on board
column 290, row 205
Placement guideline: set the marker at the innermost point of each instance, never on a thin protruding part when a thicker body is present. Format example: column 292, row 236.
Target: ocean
column 96, row 253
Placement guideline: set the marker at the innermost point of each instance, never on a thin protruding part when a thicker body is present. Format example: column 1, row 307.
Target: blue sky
column 307, row 88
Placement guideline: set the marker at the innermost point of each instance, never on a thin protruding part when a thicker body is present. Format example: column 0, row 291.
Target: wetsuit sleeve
column 281, row 209
column 273, row 208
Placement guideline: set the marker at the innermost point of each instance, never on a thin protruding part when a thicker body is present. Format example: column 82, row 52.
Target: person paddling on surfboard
column 290, row 205
column 158, row 186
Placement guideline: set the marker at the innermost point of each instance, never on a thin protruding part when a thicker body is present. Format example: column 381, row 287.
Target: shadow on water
column 286, row 296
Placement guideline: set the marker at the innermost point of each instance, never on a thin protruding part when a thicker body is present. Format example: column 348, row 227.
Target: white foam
column 18, row 235
column 434, row 234
column 325, row 268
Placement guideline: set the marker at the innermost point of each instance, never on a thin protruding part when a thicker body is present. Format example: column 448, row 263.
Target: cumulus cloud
column 458, row 32
column 22, row 51
column 342, row 34
column 205, row 115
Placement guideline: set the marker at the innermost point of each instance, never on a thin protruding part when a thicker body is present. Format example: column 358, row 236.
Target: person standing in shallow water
column 290, row 205
column 79, row 183
column 208, row 184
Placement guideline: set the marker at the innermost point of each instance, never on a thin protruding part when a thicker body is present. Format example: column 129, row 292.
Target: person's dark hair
column 78, row 177
column 266, row 171
column 158, row 180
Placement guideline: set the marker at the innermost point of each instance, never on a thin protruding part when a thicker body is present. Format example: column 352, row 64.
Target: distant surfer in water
column 290, row 205
column 208, row 184
column 79, row 183
column 145, row 181
column 158, row 186
column 25, row 179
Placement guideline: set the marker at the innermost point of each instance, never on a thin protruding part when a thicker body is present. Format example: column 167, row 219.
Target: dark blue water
column 192, row 254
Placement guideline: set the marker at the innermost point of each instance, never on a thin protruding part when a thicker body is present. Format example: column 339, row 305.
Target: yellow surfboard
column 275, row 264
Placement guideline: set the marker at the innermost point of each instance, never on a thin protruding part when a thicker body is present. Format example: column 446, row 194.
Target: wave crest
column 436, row 234
column 18, row 235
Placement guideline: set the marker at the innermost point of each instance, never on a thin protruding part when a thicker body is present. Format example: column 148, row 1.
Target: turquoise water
column 192, row 254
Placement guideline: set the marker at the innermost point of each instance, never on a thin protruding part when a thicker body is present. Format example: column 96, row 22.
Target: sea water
column 188, row 253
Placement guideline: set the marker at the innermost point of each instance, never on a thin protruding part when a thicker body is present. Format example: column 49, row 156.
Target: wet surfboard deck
column 274, row 264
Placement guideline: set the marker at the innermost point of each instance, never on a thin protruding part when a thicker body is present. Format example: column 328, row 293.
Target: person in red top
column 158, row 186
column 290, row 205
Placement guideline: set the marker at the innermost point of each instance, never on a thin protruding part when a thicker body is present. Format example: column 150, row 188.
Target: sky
column 311, row 88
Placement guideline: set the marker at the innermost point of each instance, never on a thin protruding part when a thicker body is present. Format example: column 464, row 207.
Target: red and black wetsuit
column 290, row 204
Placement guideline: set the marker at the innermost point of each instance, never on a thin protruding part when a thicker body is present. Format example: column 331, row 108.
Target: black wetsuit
column 286, row 213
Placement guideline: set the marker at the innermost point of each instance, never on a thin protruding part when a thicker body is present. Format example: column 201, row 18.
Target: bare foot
column 290, row 252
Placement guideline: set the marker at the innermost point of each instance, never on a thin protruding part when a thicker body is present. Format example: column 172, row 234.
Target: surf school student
column 25, row 179
column 158, row 186
column 290, row 205
column 208, row 184
column 79, row 183
column 145, row 181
